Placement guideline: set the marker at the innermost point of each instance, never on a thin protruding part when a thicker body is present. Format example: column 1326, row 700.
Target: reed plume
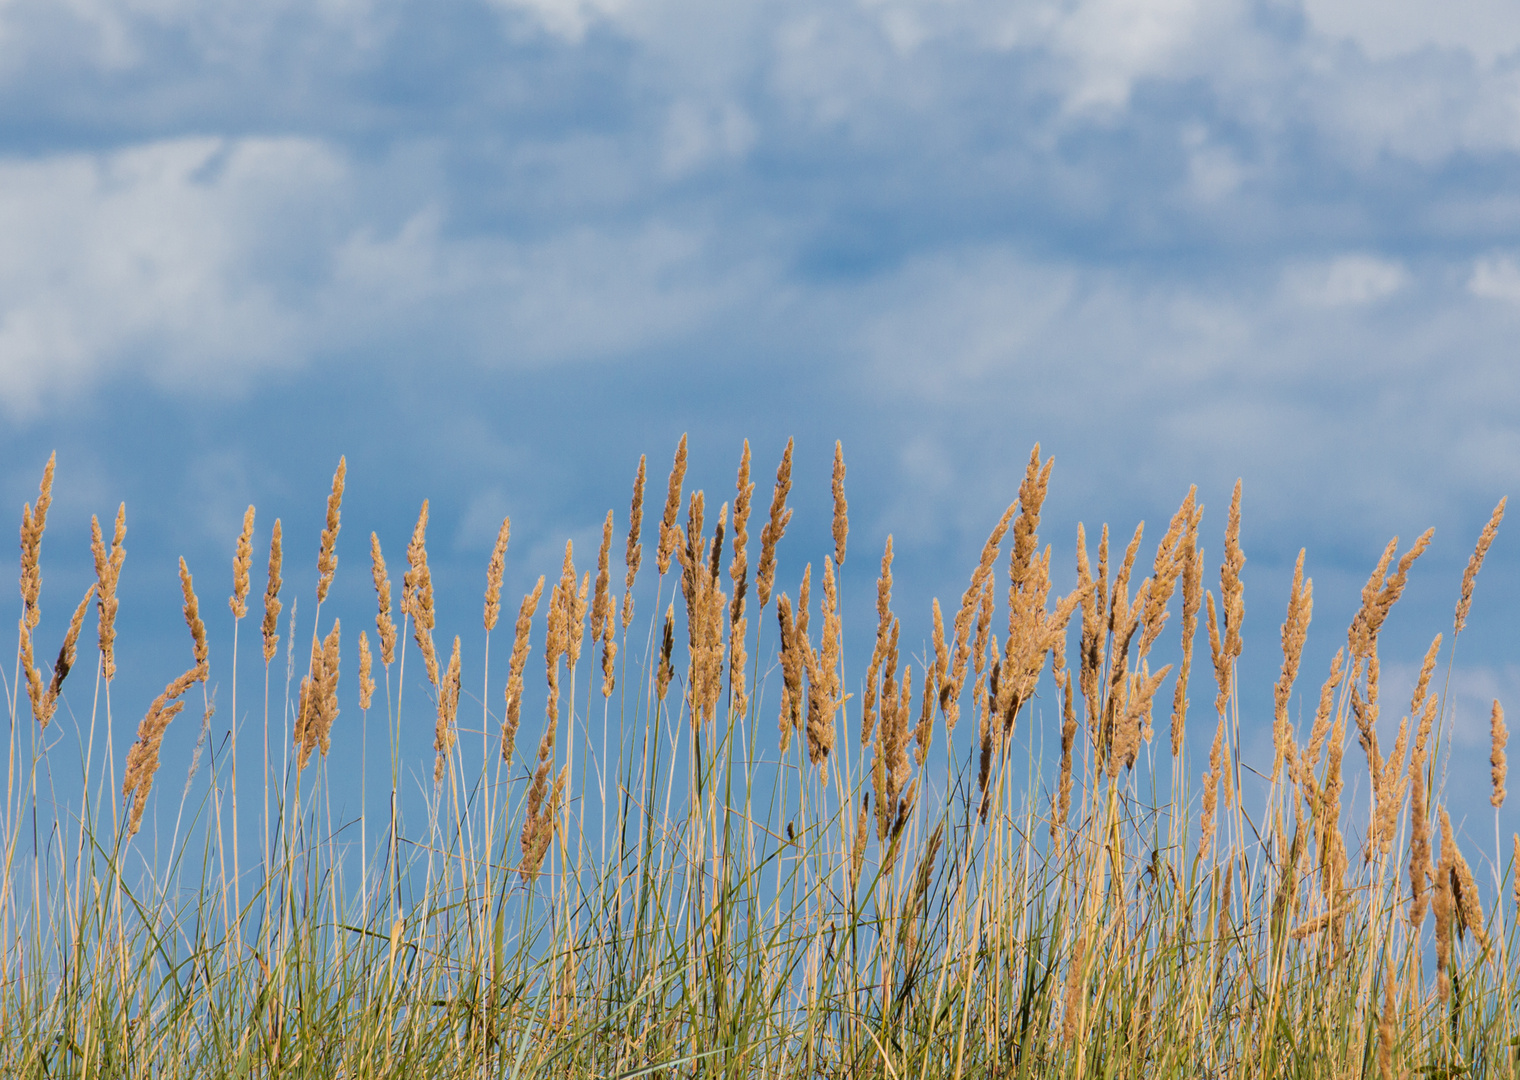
column 1295, row 631
column 792, row 659
column 672, row 508
column 1498, row 765
column 494, row 571
column 774, row 529
column 327, row 559
column 879, row 649
column 33, row 523
column 366, row 672
column 635, row 551
column 241, row 562
column 1192, row 600
column 738, row 573
column 602, row 613
column 665, row 671
column 981, row 582
column 107, row 576
column 385, row 627
column 66, row 657
column 445, row 732
column 417, row 594
column 1475, row 563
column 272, row 603
column 142, row 758
column 520, row 645
column 841, row 508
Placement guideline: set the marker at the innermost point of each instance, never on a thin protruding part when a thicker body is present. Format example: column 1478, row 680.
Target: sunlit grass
column 660, row 881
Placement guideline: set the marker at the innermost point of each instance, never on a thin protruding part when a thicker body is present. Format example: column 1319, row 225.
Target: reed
column 669, row 887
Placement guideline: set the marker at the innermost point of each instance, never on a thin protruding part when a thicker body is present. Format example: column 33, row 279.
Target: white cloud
column 1347, row 280
column 1488, row 29
column 147, row 255
column 1495, row 277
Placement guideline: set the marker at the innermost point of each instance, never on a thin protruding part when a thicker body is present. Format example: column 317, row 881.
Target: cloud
column 1346, row 280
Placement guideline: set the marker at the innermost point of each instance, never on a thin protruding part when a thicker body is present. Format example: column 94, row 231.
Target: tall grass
column 736, row 859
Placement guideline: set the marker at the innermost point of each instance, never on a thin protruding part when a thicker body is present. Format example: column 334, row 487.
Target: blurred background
column 494, row 250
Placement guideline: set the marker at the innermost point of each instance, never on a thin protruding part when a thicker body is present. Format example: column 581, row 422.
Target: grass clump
column 737, row 861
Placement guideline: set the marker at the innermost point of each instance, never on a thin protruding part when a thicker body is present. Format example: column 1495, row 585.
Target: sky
column 493, row 250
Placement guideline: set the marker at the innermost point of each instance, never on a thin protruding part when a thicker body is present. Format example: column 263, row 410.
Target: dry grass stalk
column 635, row 552
column 1515, row 870
column 950, row 689
column 774, row 529
column 514, row 691
column 672, row 507
column 600, row 609
column 543, row 810
column 33, row 523
column 879, row 649
column 67, row 654
column 557, row 636
column 665, row 671
column 445, row 731
column 792, row 658
column 1192, row 600
column 841, row 508
column 1295, row 631
column 1170, row 564
column 1498, row 765
column 823, row 674
column 366, row 672
column 1444, row 911
column 1390, row 796
column 417, row 594
column 1231, row 590
column 1316, row 924
column 1063, row 680
column 272, row 603
column 142, row 758
column 327, row 559
column 738, row 573
column 494, row 571
column 107, row 576
column 1387, row 1024
column 1218, row 764
column 890, row 767
column 193, row 621
column 1381, row 592
column 1421, row 869
column 1475, row 563
column 1464, row 889
column 241, row 562
column 384, row 625
column 317, row 706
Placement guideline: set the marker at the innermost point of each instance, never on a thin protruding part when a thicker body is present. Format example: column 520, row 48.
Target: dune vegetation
column 692, row 843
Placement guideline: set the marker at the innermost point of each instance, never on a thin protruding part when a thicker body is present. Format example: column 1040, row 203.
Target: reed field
column 744, row 857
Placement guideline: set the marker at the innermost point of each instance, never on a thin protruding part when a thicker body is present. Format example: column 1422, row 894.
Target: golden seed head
column 601, row 603
column 366, row 676
column 635, row 552
column 515, row 673
column 327, row 559
column 272, row 603
column 107, row 574
column 1499, row 765
column 241, row 562
column 841, row 508
column 444, row 733
column 384, row 625
column 672, row 508
column 775, row 528
column 193, row 621
column 1475, row 563
column 494, row 573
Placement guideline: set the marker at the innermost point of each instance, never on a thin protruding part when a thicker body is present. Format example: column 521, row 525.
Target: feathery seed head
column 241, row 561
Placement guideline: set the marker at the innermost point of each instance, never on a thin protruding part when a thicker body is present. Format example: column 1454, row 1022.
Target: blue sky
column 492, row 251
